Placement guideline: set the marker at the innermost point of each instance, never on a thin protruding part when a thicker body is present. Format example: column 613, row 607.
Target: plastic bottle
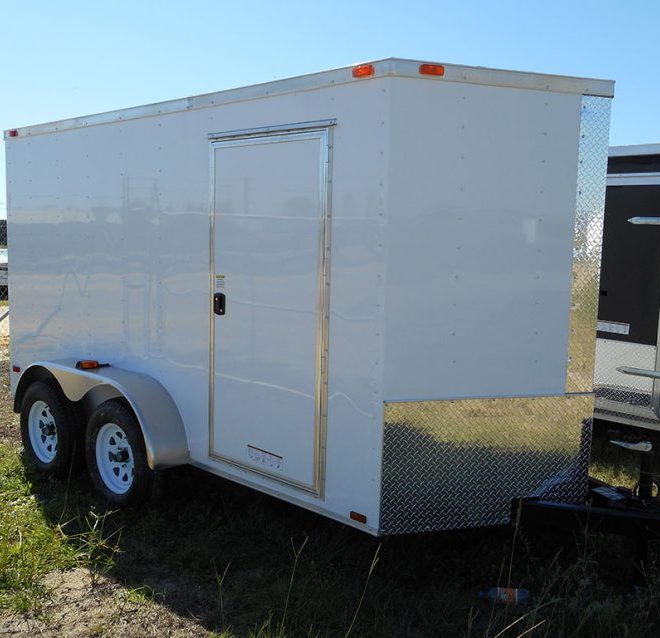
column 505, row 595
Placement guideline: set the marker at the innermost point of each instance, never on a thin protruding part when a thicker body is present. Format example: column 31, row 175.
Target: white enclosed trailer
column 370, row 291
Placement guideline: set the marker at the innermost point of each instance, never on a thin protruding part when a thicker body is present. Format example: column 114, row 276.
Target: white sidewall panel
column 481, row 213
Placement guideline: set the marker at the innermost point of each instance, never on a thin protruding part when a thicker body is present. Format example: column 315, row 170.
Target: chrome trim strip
column 632, row 175
column 617, row 415
column 323, row 313
column 655, row 390
column 639, row 372
column 634, row 149
column 608, row 406
column 633, row 179
column 587, row 244
column 308, row 130
column 389, row 67
column 267, row 130
column 645, row 221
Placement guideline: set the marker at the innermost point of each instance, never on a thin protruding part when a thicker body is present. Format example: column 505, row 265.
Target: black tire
column 142, row 477
column 68, row 426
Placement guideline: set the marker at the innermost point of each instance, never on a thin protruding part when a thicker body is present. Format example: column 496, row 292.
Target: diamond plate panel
column 589, row 210
column 458, row 464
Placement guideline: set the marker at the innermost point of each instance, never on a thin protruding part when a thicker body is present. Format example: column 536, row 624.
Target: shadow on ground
column 226, row 556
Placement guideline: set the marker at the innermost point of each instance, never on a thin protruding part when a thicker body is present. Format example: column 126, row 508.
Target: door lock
column 219, row 303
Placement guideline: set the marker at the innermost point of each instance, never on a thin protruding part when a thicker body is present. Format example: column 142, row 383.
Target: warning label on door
column 219, row 283
column 270, row 460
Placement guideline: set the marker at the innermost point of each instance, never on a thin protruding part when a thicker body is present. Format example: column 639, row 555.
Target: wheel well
column 155, row 410
column 92, row 399
column 35, row 373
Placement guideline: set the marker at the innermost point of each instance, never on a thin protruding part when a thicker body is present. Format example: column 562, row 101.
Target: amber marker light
column 88, row 364
column 360, row 518
column 363, row 70
column 432, row 69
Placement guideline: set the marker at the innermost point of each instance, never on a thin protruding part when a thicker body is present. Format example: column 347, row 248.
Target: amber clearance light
column 432, row 69
column 363, row 70
column 357, row 516
column 88, row 364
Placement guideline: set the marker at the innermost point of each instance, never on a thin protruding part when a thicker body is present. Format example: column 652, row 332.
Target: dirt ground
column 82, row 605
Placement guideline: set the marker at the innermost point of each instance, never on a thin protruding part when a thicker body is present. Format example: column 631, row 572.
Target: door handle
column 219, row 303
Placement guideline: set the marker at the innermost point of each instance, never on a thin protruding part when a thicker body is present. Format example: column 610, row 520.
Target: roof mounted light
column 432, row 69
column 12, row 133
column 363, row 70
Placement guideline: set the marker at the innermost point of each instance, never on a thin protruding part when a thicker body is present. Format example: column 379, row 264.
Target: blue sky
column 68, row 58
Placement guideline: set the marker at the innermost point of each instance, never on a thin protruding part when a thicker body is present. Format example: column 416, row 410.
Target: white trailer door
column 269, row 271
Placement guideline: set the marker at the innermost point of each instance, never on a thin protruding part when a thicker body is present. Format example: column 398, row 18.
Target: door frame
column 322, row 130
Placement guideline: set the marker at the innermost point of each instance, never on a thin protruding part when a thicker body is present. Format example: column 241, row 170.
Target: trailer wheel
column 116, row 455
column 51, row 430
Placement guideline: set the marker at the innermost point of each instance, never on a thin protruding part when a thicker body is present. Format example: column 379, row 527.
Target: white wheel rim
column 114, row 458
column 43, row 431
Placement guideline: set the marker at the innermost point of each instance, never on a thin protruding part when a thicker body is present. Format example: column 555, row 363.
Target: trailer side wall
column 109, row 229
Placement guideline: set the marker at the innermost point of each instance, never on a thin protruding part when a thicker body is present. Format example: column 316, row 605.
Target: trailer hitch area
column 644, row 489
column 608, row 508
column 634, row 513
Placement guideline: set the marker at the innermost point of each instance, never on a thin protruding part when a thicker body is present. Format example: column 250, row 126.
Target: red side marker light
column 360, row 518
column 363, row 70
column 12, row 133
column 88, row 364
column 15, row 369
column 432, row 69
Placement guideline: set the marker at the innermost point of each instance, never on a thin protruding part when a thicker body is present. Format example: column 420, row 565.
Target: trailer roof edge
column 634, row 149
column 389, row 67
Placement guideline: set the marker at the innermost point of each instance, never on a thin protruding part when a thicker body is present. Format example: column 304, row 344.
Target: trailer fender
column 162, row 427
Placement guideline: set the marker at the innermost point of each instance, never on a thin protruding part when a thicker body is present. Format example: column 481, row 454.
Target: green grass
column 244, row 564
column 30, row 545
column 615, row 465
